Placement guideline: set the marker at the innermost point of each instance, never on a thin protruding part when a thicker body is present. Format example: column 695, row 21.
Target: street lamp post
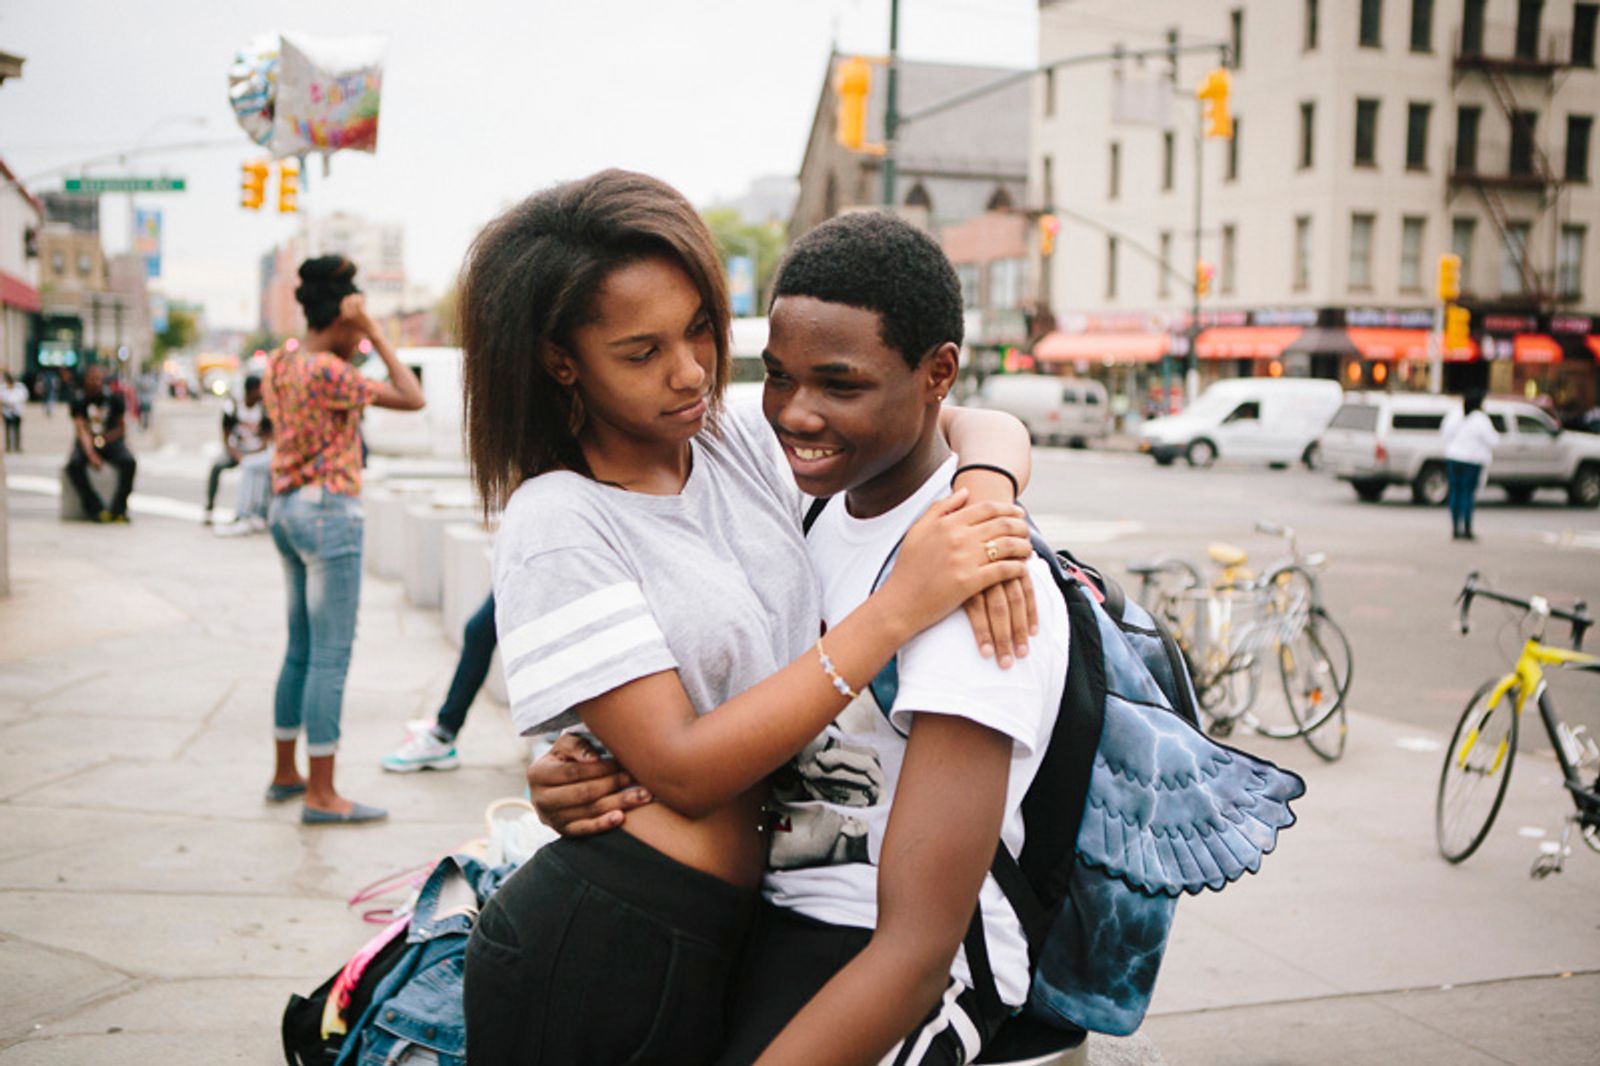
column 891, row 111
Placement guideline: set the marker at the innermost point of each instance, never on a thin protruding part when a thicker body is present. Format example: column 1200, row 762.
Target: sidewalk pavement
column 152, row 908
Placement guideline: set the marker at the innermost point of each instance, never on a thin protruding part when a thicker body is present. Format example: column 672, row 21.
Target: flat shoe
column 358, row 814
column 284, row 793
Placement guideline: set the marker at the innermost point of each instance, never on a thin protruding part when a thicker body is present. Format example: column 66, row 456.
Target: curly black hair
column 880, row 263
column 324, row 283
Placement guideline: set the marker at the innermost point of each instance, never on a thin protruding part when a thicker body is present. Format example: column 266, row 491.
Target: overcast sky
column 484, row 101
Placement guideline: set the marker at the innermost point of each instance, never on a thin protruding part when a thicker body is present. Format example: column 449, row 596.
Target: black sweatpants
column 117, row 454
column 603, row 951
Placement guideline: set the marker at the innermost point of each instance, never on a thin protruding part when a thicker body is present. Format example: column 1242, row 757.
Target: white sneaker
column 239, row 527
column 421, row 751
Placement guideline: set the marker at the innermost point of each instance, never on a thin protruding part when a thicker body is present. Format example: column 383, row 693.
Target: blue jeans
column 1463, row 493
column 477, row 651
column 318, row 536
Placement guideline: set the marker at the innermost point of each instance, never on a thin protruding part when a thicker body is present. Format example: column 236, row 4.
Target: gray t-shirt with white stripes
column 596, row 586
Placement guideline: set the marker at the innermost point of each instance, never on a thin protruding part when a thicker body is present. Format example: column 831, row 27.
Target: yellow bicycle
column 1477, row 766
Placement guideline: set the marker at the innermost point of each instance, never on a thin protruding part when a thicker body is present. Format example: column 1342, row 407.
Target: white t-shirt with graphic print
column 833, row 801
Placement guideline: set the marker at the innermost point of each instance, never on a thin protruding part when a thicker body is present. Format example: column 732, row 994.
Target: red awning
column 1245, row 342
column 1388, row 345
column 1594, row 345
column 1058, row 347
column 1534, row 348
column 14, row 292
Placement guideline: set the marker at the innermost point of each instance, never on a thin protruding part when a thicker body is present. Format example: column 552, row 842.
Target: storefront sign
column 1571, row 324
column 1509, row 323
column 1388, row 318
column 1291, row 316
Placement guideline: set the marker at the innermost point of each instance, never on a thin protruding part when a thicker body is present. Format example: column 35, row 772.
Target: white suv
column 1380, row 439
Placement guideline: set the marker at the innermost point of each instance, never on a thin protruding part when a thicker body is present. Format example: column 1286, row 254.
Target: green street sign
column 96, row 186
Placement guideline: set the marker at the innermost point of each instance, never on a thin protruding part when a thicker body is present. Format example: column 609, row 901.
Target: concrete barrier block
column 385, row 510
column 104, row 481
column 466, row 548
column 422, row 535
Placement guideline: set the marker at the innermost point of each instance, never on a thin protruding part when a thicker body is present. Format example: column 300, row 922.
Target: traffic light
column 288, row 186
column 1449, row 277
column 852, row 82
column 1203, row 272
column 1213, row 93
column 1049, row 226
column 1457, row 327
column 253, row 184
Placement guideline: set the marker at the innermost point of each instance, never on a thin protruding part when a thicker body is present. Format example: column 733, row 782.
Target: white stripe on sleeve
column 586, row 610
column 542, row 674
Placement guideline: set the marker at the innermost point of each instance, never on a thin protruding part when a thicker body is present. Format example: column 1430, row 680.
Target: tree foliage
column 736, row 237
column 182, row 331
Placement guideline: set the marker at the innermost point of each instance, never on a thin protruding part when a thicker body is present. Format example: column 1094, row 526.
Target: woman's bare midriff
column 727, row 844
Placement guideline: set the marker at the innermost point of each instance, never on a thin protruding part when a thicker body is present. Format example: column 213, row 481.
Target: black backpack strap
column 813, row 513
column 990, row 1004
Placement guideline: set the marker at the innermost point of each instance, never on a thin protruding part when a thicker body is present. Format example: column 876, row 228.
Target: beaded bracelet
column 839, row 683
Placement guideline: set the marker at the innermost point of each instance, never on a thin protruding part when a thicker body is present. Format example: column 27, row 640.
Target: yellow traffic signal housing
column 1049, row 226
column 288, row 186
column 1449, row 277
column 253, row 183
column 851, row 84
column 1202, row 277
column 1213, row 93
column 1457, row 328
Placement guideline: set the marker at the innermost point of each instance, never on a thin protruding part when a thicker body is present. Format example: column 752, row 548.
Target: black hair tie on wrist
column 1016, row 490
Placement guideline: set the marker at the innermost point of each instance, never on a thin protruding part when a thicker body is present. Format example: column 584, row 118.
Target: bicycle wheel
column 1327, row 740
column 1477, row 769
column 1310, row 686
column 1337, row 645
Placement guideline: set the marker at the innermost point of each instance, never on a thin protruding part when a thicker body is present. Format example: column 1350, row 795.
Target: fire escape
column 1514, row 178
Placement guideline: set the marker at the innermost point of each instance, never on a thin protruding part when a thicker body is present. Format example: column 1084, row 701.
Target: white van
column 434, row 430
column 1055, row 410
column 1265, row 420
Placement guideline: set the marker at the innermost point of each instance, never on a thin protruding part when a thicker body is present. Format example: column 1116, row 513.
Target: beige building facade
column 1371, row 137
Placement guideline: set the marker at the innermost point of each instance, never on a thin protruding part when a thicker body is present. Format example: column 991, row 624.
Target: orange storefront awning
column 1058, row 347
column 1534, row 348
column 1245, row 342
column 1594, row 346
column 1389, row 345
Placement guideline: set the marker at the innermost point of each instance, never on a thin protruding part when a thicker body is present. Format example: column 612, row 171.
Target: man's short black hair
column 880, row 263
column 252, row 381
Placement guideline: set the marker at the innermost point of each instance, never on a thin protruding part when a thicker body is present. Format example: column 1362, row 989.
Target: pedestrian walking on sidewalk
column 432, row 745
column 99, row 420
column 1468, row 450
column 315, row 396
column 246, row 437
column 13, row 399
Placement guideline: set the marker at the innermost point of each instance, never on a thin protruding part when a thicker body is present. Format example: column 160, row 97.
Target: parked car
column 1271, row 420
column 1380, row 439
column 1056, row 410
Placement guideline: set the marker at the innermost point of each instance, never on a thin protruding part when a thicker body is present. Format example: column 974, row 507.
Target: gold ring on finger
column 991, row 550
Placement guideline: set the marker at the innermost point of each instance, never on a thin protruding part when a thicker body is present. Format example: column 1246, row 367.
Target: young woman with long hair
column 652, row 587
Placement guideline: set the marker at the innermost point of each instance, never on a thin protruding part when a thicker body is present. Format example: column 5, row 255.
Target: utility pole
column 891, row 110
column 1191, row 361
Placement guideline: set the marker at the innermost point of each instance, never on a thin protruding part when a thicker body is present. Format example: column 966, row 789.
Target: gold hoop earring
column 575, row 413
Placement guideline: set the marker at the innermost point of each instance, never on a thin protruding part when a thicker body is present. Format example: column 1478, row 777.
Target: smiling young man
column 884, row 827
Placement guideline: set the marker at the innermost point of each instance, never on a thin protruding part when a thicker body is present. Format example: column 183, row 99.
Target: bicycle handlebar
column 1578, row 617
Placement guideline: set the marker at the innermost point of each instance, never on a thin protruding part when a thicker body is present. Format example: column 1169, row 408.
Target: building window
column 1422, row 25
column 1308, row 121
column 58, row 263
column 1361, row 251
column 1309, row 42
column 1163, row 272
column 1462, row 233
column 1232, row 173
column 1366, row 133
column 1512, row 254
column 970, row 276
column 1579, row 128
column 1467, row 119
column 1236, row 37
column 1472, row 27
column 1005, row 284
column 1529, row 13
column 918, row 197
column 1302, row 253
column 1168, row 160
column 1584, row 19
column 1111, row 268
column 1049, row 92
column 1417, row 136
column 1371, row 23
column 1411, row 228
column 1047, row 181
column 1522, row 127
column 1229, row 248
column 85, row 264
column 1114, row 172
column 1569, row 262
